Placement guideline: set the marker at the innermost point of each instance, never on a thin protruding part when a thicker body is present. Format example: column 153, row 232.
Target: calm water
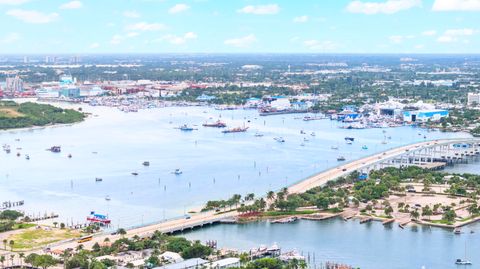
column 370, row 245
column 214, row 165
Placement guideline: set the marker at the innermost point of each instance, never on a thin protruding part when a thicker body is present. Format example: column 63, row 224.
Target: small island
column 14, row 115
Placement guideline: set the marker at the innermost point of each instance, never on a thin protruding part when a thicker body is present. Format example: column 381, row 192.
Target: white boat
column 177, row 172
column 464, row 261
column 107, row 198
column 341, row 158
column 312, row 134
column 334, row 147
column 279, row 139
column 349, row 142
column 258, row 135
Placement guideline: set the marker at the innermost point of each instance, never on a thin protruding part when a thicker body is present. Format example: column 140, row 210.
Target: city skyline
column 213, row 26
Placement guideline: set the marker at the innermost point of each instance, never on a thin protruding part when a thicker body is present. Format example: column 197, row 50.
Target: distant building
column 473, row 99
column 187, row 264
column 13, row 86
column 205, row 98
column 424, row 115
column 225, row 263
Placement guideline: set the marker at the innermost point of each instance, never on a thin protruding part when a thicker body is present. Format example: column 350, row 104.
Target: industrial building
column 424, row 115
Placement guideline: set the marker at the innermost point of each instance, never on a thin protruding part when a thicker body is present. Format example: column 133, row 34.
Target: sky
column 239, row 26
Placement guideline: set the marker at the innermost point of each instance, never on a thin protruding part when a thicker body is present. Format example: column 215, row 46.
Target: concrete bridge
column 423, row 154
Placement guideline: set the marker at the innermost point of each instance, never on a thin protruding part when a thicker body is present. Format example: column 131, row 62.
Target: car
column 344, row 169
column 187, row 216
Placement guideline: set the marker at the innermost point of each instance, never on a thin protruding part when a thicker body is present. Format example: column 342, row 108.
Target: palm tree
column 414, row 214
column 122, row 232
column 12, row 256
column 2, row 260
column 5, row 241
column 270, row 195
column 285, row 191
column 21, row 256
column 11, row 243
column 65, row 255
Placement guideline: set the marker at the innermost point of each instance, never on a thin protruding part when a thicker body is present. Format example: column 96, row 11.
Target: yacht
column 177, row 172
column 463, row 262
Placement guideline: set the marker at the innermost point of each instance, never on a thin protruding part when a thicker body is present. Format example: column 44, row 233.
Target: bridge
column 429, row 154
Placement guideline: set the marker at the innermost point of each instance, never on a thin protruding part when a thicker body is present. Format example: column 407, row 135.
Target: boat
column 55, row 149
column 177, row 172
column 235, row 130
column 185, row 128
column 135, row 173
column 349, row 139
column 384, row 142
column 27, row 157
column 98, row 179
column 457, row 231
column 217, row 124
column 302, row 132
column 341, row 158
column 463, row 261
column 107, row 198
column 305, row 139
column 279, row 139
column 312, row 134
column 302, row 145
column 334, row 147
column 146, row 163
column 69, row 156
column 258, row 135
column 364, row 147
column 349, row 142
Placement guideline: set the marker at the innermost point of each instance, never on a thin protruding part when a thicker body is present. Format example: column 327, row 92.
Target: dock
column 285, row 220
column 318, row 217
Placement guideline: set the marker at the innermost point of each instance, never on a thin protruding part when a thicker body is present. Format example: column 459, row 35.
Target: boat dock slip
column 388, row 221
column 365, row 220
column 285, row 220
column 318, row 216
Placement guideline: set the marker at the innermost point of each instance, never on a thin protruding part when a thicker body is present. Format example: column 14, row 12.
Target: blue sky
column 210, row 26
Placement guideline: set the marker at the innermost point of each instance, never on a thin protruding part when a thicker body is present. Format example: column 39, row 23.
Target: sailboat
column 464, row 261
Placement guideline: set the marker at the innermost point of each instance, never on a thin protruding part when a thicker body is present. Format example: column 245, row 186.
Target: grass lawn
column 19, row 226
column 33, row 238
column 287, row 213
column 441, row 221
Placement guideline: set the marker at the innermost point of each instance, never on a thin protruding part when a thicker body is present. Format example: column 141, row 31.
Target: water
column 370, row 245
column 214, row 165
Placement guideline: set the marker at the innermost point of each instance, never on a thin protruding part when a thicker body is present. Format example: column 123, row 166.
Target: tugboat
column 146, row 163
column 217, row 124
column 177, row 172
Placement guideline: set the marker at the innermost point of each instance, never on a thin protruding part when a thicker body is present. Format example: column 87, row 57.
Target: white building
column 473, row 99
column 225, row 263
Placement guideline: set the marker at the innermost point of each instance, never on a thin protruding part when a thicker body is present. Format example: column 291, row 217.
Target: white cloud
column 387, row 7
column 419, row 46
column 10, row 38
column 144, row 26
column 178, row 8
column 456, row 5
column 455, row 35
column 116, row 39
column 13, row 2
column 397, row 39
column 72, row 5
column 179, row 40
column 429, row 33
column 94, row 45
column 131, row 14
column 32, row 16
column 301, row 19
column 326, row 45
column 260, row 9
column 241, row 42
column 132, row 34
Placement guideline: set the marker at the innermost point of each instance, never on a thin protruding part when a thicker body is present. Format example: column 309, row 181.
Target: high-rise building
column 473, row 99
column 13, row 85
